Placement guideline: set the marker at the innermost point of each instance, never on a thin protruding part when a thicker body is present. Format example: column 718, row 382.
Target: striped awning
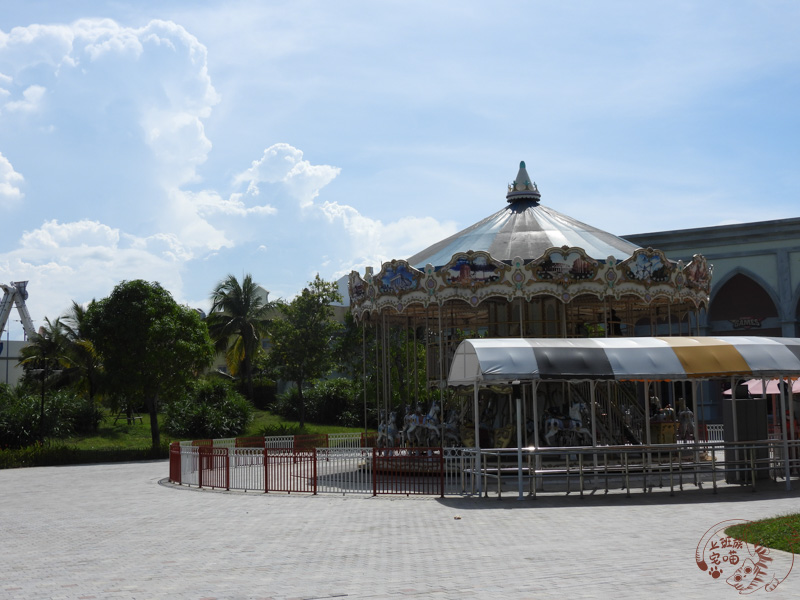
column 503, row 360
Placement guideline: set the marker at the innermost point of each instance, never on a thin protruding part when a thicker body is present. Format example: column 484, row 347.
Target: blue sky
column 182, row 141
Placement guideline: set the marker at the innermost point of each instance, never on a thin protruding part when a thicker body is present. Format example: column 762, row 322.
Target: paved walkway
column 113, row 531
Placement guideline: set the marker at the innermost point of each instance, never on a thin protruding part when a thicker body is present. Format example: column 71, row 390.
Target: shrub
column 38, row 455
column 282, row 429
column 211, row 409
column 65, row 413
column 329, row 402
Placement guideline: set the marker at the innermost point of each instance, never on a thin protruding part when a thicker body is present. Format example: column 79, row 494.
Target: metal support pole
column 441, row 350
column 475, row 411
column 519, row 447
column 787, row 474
column 364, row 367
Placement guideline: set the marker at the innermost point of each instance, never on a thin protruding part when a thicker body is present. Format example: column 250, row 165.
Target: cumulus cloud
column 10, row 181
column 282, row 163
column 134, row 101
column 209, row 204
column 54, row 235
column 31, row 100
column 379, row 242
column 85, row 259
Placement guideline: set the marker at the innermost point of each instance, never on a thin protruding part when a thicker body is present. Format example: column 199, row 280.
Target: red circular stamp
column 746, row 567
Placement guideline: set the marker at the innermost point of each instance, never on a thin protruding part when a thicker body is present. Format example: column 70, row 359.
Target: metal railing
column 629, row 468
column 468, row 471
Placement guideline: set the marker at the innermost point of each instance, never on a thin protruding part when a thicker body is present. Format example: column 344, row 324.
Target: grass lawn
column 123, row 436
column 781, row 533
column 115, row 442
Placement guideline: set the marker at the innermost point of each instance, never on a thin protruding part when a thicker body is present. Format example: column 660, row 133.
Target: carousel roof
column 526, row 229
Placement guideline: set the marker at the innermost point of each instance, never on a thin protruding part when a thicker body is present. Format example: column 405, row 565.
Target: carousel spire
column 522, row 188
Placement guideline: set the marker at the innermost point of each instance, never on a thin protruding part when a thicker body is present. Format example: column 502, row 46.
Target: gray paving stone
column 113, row 531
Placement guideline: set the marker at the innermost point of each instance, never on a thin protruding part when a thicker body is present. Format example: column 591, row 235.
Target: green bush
column 39, row 455
column 282, row 429
column 264, row 395
column 211, row 409
column 328, row 402
column 65, row 413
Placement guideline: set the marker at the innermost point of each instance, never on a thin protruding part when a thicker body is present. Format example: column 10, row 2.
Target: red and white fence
column 406, row 471
column 294, row 465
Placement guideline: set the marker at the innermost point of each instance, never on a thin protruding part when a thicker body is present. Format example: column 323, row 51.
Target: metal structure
column 525, row 271
column 603, row 363
column 15, row 294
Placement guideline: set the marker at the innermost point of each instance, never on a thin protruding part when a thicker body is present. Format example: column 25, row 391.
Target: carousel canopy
column 526, row 229
column 623, row 359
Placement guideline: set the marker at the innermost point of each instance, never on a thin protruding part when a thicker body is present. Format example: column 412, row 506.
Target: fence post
column 314, row 471
column 227, row 469
column 441, row 472
column 200, row 466
column 266, row 471
column 374, row 475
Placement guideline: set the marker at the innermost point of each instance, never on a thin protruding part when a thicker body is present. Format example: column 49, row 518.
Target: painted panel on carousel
column 565, row 264
column 357, row 288
column 698, row 273
column 472, row 268
column 397, row 277
column 647, row 266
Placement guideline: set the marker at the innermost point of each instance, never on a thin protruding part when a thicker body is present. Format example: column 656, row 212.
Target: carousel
column 526, row 271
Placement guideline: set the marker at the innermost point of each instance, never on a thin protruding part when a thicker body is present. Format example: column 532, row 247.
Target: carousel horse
column 387, row 431
column 431, row 424
column 686, row 425
column 450, row 429
column 419, row 430
column 413, row 431
column 569, row 431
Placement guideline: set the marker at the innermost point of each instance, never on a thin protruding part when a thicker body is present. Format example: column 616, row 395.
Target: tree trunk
column 152, row 407
column 302, row 404
column 248, row 376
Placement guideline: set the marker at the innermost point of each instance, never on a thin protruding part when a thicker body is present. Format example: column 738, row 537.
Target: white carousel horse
column 451, row 428
column 421, row 430
column 569, row 431
column 387, row 431
column 686, row 425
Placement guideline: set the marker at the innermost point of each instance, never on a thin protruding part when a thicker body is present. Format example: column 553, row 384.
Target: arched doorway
column 743, row 307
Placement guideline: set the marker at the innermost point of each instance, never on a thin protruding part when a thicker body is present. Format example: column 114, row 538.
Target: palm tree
column 44, row 356
column 238, row 321
column 83, row 362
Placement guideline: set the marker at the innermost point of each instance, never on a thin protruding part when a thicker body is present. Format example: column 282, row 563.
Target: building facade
column 755, row 288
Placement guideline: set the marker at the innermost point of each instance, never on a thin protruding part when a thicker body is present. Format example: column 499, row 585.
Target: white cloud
column 85, row 259
column 31, row 100
column 282, row 163
column 10, row 180
column 376, row 242
column 210, row 203
column 53, row 235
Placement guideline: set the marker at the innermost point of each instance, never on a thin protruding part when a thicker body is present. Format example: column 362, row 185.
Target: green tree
column 151, row 346
column 302, row 340
column 82, row 361
column 43, row 358
column 238, row 321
